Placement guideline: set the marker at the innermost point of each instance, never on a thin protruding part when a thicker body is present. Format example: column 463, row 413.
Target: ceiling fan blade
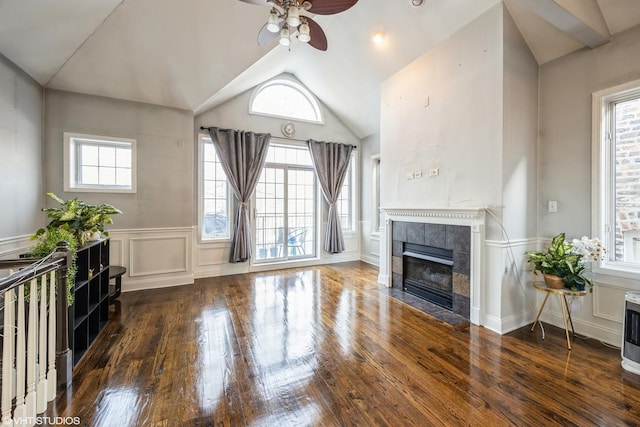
column 257, row 2
column 265, row 36
column 328, row 7
column 318, row 38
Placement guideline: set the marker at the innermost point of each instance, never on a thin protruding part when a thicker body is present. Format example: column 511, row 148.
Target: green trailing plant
column 47, row 242
column 79, row 218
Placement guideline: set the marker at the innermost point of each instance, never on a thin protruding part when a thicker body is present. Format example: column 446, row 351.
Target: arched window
column 285, row 98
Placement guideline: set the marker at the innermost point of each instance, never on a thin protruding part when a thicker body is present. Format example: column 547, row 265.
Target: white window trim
column 295, row 85
column 230, row 205
column 602, row 183
column 70, row 164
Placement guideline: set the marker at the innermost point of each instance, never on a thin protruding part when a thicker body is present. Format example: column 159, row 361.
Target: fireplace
column 428, row 273
column 460, row 229
column 432, row 261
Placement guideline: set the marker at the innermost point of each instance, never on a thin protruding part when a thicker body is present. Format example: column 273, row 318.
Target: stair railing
column 35, row 346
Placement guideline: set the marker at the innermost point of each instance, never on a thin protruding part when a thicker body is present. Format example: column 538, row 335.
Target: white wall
column 212, row 258
column 519, row 179
column 165, row 151
column 468, row 107
column 21, row 178
column 459, row 132
column 520, row 134
column 566, row 85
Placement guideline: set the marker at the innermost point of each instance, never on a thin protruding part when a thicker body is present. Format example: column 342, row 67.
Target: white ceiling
column 196, row 54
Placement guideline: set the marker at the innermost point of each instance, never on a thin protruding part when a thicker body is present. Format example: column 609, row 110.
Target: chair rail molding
column 11, row 247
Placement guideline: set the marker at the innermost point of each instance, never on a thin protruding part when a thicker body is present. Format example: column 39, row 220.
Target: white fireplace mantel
column 474, row 217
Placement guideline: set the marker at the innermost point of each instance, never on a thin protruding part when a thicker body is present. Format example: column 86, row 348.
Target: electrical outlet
column 434, row 172
column 553, row 206
column 410, row 175
column 417, row 174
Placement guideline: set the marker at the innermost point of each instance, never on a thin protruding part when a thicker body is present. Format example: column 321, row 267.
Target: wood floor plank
column 322, row 346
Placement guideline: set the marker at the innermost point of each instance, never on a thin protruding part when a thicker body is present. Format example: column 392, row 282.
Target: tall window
column 285, row 98
column 99, row 163
column 285, row 205
column 616, row 175
column 376, row 221
column 213, row 194
column 345, row 202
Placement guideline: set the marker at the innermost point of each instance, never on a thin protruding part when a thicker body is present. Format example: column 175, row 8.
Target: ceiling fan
column 285, row 20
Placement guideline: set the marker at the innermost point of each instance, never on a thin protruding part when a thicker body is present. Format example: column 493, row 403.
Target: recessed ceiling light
column 378, row 37
column 417, row 3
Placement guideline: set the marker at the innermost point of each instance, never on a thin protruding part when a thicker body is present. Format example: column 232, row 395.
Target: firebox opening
column 428, row 273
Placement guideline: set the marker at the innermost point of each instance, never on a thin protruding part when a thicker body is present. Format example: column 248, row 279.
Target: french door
column 285, row 210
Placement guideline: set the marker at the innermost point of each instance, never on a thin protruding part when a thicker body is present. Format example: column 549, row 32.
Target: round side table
column 566, row 312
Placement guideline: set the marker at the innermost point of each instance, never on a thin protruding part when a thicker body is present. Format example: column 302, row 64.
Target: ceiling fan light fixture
column 304, row 33
column 284, row 36
column 293, row 16
column 273, row 24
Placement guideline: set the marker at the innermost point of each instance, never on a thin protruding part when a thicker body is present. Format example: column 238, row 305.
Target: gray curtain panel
column 242, row 155
column 331, row 161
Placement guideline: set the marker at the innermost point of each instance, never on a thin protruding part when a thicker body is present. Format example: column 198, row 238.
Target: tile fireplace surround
column 456, row 238
column 458, row 229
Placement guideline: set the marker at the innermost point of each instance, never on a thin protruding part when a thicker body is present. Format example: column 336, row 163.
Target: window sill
column 214, row 242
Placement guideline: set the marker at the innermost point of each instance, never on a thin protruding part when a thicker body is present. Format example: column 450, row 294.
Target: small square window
column 99, row 163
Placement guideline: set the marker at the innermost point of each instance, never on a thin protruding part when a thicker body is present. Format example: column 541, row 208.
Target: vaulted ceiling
column 196, row 54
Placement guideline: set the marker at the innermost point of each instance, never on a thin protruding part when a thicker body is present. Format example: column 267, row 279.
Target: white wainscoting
column 153, row 257
column 369, row 244
column 510, row 302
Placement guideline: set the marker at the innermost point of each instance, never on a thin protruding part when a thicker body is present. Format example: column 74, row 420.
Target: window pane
column 215, row 192
column 101, row 163
column 345, row 201
column 123, row 176
column 123, row 157
column 89, row 155
column 286, row 99
column 90, row 175
column 627, row 182
column 107, row 156
column 285, row 208
column 107, row 176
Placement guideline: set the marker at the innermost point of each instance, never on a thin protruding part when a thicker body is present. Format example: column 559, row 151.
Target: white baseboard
column 383, row 279
column 611, row 336
column 133, row 284
column 370, row 259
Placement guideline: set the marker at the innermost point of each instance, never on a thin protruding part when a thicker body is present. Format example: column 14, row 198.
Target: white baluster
column 41, row 388
column 20, row 413
column 7, row 358
column 32, row 343
column 52, row 373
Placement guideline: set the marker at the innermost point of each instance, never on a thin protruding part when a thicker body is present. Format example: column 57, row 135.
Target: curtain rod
column 355, row 147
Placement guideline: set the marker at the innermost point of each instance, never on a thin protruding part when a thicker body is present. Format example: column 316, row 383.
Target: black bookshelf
column 89, row 313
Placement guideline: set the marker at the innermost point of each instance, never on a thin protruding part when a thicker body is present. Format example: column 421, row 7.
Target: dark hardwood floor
column 322, row 346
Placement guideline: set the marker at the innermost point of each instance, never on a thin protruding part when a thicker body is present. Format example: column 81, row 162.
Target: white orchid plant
column 569, row 260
